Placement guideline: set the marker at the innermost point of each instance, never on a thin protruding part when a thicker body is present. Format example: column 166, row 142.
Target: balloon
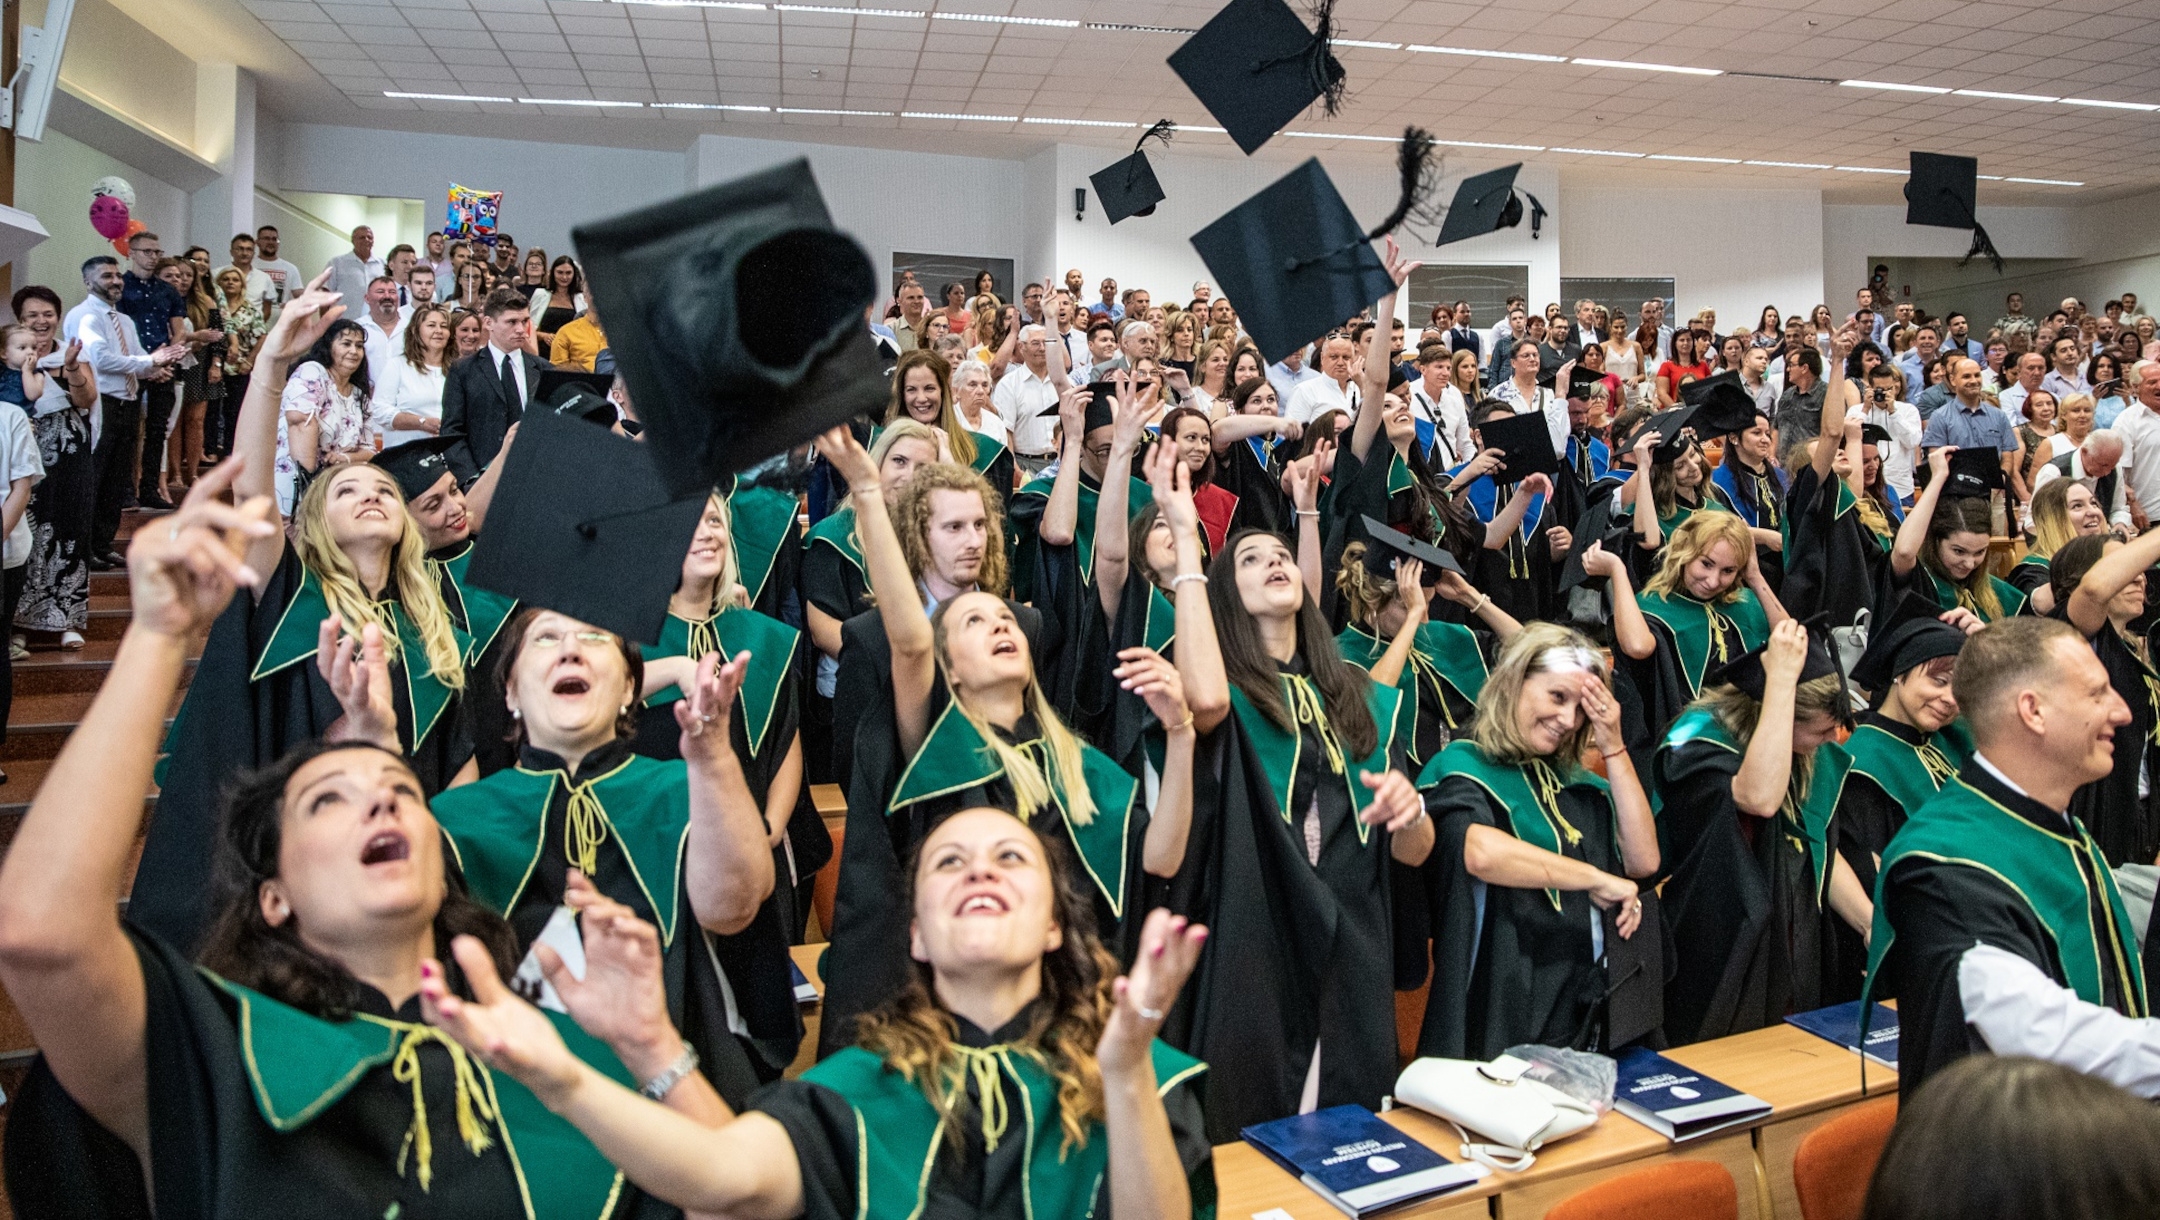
column 121, row 243
column 109, row 216
column 117, row 187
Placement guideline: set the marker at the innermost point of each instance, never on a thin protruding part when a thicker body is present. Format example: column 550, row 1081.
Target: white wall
column 1733, row 251
column 52, row 181
column 1853, row 234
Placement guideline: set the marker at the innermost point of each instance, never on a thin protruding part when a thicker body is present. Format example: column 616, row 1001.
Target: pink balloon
column 109, row 216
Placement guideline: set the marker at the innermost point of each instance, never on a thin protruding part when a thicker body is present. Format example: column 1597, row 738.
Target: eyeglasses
column 552, row 640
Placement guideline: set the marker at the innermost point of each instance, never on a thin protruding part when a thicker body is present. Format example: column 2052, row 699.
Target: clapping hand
column 357, row 670
column 1143, row 996
column 1171, row 481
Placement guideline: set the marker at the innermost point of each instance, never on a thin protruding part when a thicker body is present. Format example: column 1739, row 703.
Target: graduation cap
column 1722, row 403
column 1914, row 635
column 736, row 316
column 1943, row 191
column 1974, row 472
column 1384, row 546
column 1294, row 259
column 1874, row 434
column 1580, row 381
column 583, row 525
column 1746, row 670
column 1101, row 407
column 1597, row 525
column 1668, row 425
column 553, row 382
column 1526, row 441
column 1129, row 187
column 418, row 465
column 580, row 395
column 1255, row 67
column 1487, row 203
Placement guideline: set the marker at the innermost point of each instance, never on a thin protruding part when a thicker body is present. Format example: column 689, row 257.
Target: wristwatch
column 685, row 1063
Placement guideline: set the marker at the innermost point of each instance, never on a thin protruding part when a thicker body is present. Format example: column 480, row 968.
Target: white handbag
column 1515, row 1115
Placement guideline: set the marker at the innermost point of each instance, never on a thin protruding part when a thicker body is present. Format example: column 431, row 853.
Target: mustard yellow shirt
column 578, row 343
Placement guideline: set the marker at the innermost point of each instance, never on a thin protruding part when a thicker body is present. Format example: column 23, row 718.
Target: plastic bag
column 1588, row 1078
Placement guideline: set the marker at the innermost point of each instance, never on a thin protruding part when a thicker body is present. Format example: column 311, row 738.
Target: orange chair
column 825, row 887
column 1833, row 1165
column 1676, row 1190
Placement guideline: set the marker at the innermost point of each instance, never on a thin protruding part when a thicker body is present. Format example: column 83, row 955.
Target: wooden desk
column 806, row 959
column 1805, row 1079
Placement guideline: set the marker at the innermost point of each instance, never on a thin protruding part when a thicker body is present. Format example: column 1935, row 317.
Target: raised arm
column 1834, row 406
column 1303, row 480
column 1372, row 387
column 1758, row 584
column 1638, row 829
column 1146, row 674
column 2115, row 570
column 1112, row 539
column 727, row 861
column 298, row 326
column 1061, row 517
column 482, row 493
column 1641, row 496
column 900, row 603
column 64, row 959
column 1912, row 535
column 1766, row 768
column 1199, row 655
column 1510, row 517
column 1387, row 671
column 1631, row 631
column 1147, row 1180
column 1231, row 429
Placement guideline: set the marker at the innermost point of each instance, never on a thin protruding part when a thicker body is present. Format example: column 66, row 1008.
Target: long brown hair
column 416, row 347
column 1343, row 686
column 914, row 1034
column 958, row 438
column 1964, row 515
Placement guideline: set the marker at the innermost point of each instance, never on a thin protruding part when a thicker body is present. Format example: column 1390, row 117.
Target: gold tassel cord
column 1547, row 785
column 985, row 1067
column 585, row 828
column 1719, row 626
column 1937, row 763
column 1423, row 666
column 703, row 639
column 1307, row 706
column 473, row 1110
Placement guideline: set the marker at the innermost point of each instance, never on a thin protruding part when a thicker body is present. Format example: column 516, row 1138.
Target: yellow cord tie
column 1718, row 624
column 703, row 639
column 473, row 1110
column 1422, row 665
column 985, row 1066
column 386, row 620
column 1937, row 763
column 1546, row 783
column 1307, row 706
column 585, row 828
column 2152, row 699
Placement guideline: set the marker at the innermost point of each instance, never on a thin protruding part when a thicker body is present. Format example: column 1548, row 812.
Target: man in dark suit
column 1460, row 337
column 489, row 390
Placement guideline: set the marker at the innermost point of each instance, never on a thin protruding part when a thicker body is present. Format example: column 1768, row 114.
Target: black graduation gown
column 1768, row 513
column 482, row 615
column 1300, row 954
column 1251, row 470
column 231, row 722
column 1830, row 556
column 1117, row 721
column 1742, row 905
column 862, row 702
column 967, row 1180
column 1509, row 967
column 218, row 1058
column 1059, row 581
column 704, row 972
column 1938, row 910
column 1652, row 692
column 2121, row 822
column 831, row 578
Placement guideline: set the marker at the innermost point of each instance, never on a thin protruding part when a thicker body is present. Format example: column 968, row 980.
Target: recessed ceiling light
column 1893, row 86
column 2006, row 97
column 857, row 114
column 1789, row 164
column 1703, row 160
column 2100, row 101
column 1122, row 27
column 1059, row 22
column 708, row 106
column 2045, row 181
column 1360, row 42
column 1642, row 67
column 572, row 101
column 916, row 14
column 972, row 118
column 1088, row 123
column 1525, row 55
column 1867, row 169
column 445, row 97
column 1593, row 152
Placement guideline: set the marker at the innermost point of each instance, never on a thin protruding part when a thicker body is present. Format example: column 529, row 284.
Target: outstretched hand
column 301, row 322
column 1169, row 949
column 707, row 703
column 358, row 672
column 622, row 1000
column 839, row 447
column 1395, row 801
column 1145, row 673
column 182, row 571
column 508, row 1034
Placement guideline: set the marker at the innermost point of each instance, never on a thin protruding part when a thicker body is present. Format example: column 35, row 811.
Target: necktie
column 120, row 340
column 509, row 384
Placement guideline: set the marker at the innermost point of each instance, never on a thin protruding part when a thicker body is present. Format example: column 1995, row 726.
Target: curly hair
column 914, row 1034
column 957, row 435
column 242, row 947
column 911, row 520
column 1694, row 538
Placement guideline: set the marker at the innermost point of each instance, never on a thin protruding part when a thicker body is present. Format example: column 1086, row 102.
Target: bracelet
column 1484, row 600
column 1612, row 754
column 1308, row 512
column 1182, row 577
column 673, row 1074
column 1182, row 725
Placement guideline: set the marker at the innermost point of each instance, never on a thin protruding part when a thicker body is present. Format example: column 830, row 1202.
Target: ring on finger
column 1152, row 1014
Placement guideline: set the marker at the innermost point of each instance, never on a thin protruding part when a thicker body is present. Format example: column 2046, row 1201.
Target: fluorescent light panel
column 1484, row 144
column 740, row 4
column 1866, row 169
column 1370, row 46
column 916, row 14
column 1789, row 164
column 1086, row 123
column 571, row 101
column 1892, row 86
column 1703, row 160
column 708, row 106
column 971, row 118
column 1059, row 22
column 1123, row 27
column 1594, row 152
column 1472, row 51
column 1633, row 66
column 2005, row 97
column 2098, row 101
column 857, row 114
column 445, row 97
column 1334, row 135
column 2045, row 181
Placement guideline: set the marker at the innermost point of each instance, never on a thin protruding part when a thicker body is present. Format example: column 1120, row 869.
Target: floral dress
column 56, row 585
column 244, row 331
column 345, row 422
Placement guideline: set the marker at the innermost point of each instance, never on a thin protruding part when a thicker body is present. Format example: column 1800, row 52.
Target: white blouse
column 405, row 388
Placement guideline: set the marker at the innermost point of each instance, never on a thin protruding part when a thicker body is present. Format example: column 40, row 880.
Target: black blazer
column 477, row 411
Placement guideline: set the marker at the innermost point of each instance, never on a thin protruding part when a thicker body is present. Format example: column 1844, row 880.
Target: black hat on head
column 1255, row 67
column 418, row 465
column 1724, row 405
column 1101, row 407
column 1671, row 427
column 1487, row 203
column 582, row 525
column 1295, row 260
column 736, row 316
column 1914, row 635
column 1974, row 472
column 582, row 395
column 1384, row 546
column 1527, row 442
column 1580, row 381
column 1746, row 670
column 1943, row 191
column 1874, row 434
column 1128, row 187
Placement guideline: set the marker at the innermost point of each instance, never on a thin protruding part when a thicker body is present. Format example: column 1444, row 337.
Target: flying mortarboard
column 1746, row 670
column 1914, row 635
column 1255, row 67
column 418, row 465
column 1486, row 203
column 1943, row 191
column 1580, row 381
column 583, row 525
column 1384, row 546
column 736, row 315
column 1974, row 472
column 1526, row 440
column 1670, row 426
column 1129, row 187
column 1722, row 403
column 1874, row 434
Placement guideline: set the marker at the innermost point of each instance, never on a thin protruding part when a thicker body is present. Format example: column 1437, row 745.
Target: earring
column 516, row 715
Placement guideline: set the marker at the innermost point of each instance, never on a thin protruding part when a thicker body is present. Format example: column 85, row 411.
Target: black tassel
column 1318, row 57
column 1414, row 167
column 1983, row 244
column 1162, row 131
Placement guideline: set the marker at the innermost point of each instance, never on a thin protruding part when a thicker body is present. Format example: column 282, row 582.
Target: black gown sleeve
column 826, row 583
column 821, row 1125
column 2026, row 577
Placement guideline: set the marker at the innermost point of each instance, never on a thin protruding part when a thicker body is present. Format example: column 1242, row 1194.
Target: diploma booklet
column 1348, row 1156
column 1676, row 1102
column 1840, row 1023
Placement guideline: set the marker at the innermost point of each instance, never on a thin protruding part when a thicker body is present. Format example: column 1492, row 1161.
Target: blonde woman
column 272, row 670
column 2062, row 509
column 988, row 327
column 1543, row 859
column 1464, row 375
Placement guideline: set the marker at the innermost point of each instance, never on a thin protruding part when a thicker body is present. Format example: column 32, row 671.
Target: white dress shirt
column 402, row 387
column 2045, row 473
column 385, row 348
column 1902, row 422
column 1542, row 401
column 1319, row 395
column 1022, row 398
column 517, row 369
column 110, row 346
column 349, row 277
column 2018, row 1010
column 1450, row 418
column 2140, row 430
